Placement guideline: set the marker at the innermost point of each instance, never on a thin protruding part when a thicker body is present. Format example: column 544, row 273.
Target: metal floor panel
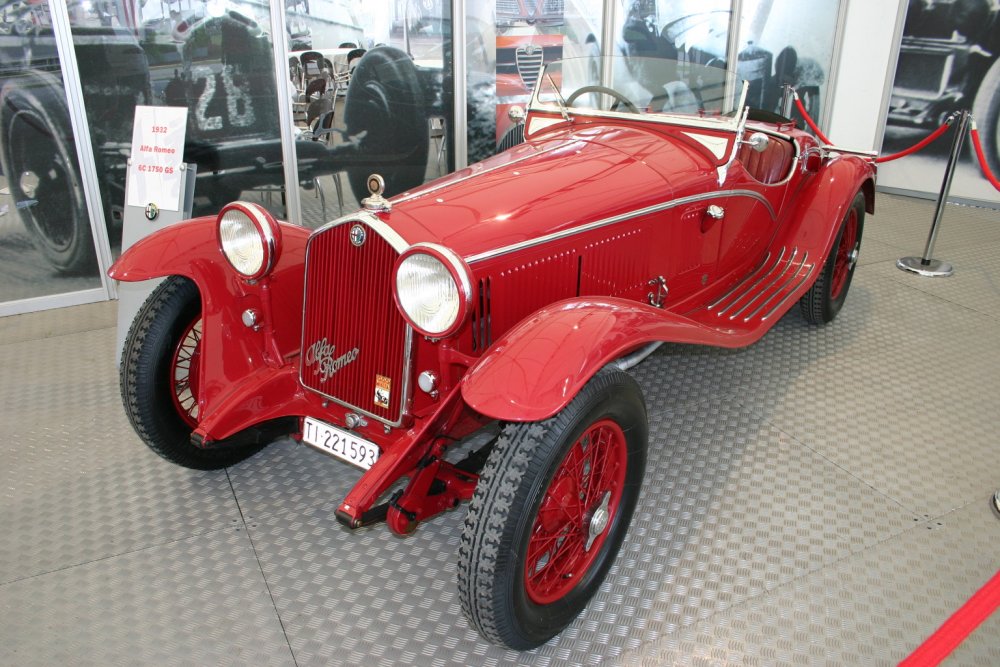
column 817, row 498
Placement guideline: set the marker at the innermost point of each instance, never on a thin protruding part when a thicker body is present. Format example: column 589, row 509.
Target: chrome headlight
column 250, row 238
column 433, row 289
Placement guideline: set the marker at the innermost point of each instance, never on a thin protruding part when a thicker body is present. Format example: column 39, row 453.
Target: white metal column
column 460, row 123
column 279, row 44
column 81, row 134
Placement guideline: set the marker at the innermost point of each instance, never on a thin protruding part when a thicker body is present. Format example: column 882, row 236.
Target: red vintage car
column 649, row 205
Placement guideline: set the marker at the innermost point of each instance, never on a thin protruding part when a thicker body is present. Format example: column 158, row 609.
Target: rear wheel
column 826, row 297
column 160, row 377
column 550, row 512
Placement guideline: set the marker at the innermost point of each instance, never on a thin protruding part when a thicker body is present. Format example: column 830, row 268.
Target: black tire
column 527, row 471
column 148, row 359
column 986, row 111
column 827, row 295
column 385, row 100
column 39, row 160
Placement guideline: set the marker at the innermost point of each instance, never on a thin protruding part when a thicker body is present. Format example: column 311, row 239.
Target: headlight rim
column 268, row 229
column 460, row 274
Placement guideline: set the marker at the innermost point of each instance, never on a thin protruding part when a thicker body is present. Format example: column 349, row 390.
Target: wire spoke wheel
column 184, row 374
column 550, row 512
column 580, row 503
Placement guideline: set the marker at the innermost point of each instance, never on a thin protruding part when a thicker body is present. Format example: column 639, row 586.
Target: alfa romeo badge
column 358, row 235
column 152, row 210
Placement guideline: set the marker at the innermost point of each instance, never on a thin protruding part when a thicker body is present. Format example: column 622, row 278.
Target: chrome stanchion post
column 926, row 266
column 787, row 100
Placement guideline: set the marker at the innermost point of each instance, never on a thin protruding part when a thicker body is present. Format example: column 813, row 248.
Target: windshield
column 656, row 88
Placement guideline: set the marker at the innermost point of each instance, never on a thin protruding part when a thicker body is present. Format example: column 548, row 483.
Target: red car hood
column 568, row 178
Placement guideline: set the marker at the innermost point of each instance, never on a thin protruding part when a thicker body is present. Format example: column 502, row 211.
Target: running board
column 762, row 294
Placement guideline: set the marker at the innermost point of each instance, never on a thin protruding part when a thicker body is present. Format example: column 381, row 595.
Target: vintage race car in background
column 220, row 68
column 518, row 290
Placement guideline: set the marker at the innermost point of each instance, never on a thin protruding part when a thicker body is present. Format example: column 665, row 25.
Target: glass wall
column 46, row 245
column 212, row 57
column 365, row 87
column 368, row 95
column 508, row 44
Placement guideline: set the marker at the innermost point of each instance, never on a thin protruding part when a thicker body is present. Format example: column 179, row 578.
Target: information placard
column 155, row 170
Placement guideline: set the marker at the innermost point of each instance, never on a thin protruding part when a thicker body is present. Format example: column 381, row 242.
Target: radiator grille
column 508, row 8
column 529, row 63
column 354, row 340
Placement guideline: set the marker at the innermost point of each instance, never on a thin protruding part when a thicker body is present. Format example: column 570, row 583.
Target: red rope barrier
column 961, row 624
column 809, row 121
column 982, row 158
column 920, row 145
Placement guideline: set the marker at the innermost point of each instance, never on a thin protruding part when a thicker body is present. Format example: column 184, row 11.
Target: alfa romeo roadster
column 648, row 203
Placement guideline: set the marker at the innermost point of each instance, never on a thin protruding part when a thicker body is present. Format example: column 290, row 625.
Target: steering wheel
column 620, row 99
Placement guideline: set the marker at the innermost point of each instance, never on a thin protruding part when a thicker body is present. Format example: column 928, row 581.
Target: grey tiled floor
column 818, row 498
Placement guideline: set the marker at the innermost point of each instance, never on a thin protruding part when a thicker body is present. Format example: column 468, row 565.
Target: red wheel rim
column 184, row 375
column 576, row 515
column 844, row 262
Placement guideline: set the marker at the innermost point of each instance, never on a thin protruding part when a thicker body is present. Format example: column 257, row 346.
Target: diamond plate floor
column 817, row 498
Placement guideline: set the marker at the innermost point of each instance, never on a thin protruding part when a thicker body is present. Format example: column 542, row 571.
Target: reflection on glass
column 213, row 58
column 366, row 82
column 528, row 36
column 46, row 245
column 788, row 42
column 659, row 89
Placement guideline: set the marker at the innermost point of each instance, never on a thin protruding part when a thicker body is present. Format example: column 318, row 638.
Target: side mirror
column 758, row 141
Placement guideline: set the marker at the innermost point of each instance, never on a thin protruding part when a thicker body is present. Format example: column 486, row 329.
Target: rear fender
column 245, row 371
column 537, row 368
column 815, row 219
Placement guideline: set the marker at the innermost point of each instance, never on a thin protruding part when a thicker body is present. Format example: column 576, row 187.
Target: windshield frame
column 725, row 123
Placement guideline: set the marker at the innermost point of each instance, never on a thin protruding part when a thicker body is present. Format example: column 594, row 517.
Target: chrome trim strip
column 656, row 208
column 778, row 273
column 785, row 284
column 737, row 286
column 407, row 196
column 749, row 289
column 812, row 267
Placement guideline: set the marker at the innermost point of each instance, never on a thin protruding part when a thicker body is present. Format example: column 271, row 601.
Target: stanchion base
column 932, row 269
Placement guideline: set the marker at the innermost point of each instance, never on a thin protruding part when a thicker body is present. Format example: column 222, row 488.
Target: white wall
column 867, row 64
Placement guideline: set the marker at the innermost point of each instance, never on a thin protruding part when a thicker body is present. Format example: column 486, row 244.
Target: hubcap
column 599, row 520
column 29, row 183
column 576, row 513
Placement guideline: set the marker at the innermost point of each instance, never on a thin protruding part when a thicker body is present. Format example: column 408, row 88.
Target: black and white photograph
column 949, row 60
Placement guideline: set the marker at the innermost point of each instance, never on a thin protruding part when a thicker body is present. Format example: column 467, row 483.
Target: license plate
column 343, row 444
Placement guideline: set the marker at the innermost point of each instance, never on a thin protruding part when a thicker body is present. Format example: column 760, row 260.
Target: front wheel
column 827, row 295
column 160, row 377
column 550, row 512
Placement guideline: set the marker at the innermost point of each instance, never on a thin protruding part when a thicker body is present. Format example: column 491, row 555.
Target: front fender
column 537, row 368
column 240, row 365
